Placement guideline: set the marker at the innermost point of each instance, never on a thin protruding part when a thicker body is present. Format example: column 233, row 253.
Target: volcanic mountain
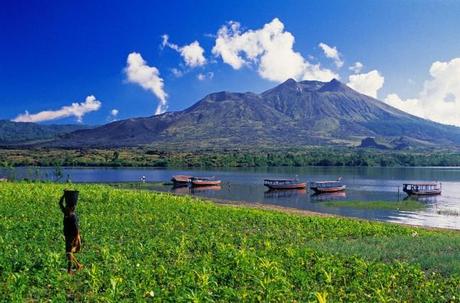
column 291, row 114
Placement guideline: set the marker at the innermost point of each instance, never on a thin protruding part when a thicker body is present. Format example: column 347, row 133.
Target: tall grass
column 142, row 246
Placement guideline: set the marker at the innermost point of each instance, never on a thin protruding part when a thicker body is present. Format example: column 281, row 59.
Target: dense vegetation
column 318, row 156
column 142, row 246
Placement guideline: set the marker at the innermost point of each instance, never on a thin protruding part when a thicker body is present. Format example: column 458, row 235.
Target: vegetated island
column 140, row 246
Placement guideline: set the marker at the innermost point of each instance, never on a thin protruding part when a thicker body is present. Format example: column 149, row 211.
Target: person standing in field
column 71, row 234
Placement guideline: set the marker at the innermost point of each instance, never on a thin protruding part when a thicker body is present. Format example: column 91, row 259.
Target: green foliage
column 143, row 246
column 309, row 156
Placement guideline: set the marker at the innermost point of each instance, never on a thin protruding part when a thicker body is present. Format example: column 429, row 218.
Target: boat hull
column 181, row 180
column 286, row 186
column 198, row 183
column 423, row 193
column 320, row 190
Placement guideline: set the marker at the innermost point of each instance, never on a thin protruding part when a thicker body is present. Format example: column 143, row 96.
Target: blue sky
column 55, row 53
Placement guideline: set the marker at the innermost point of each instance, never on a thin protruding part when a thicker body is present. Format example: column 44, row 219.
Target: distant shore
column 257, row 157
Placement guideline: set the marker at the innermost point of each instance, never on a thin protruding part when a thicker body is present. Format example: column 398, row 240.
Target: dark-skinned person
column 71, row 232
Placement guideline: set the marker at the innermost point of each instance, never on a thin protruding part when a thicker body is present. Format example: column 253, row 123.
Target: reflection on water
column 341, row 195
column 284, row 193
column 246, row 184
column 204, row 189
column 181, row 189
column 185, row 189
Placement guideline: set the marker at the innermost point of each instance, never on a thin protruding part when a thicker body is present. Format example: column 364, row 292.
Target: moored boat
column 276, row 184
column 205, row 181
column 181, row 179
column 422, row 189
column 328, row 186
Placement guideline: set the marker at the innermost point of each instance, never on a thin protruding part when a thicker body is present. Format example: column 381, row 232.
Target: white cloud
column 332, row 53
column 356, row 67
column 177, row 72
column 439, row 99
column 77, row 110
column 148, row 77
column 368, row 84
column 203, row 77
column 193, row 53
column 408, row 105
column 269, row 49
column 113, row 115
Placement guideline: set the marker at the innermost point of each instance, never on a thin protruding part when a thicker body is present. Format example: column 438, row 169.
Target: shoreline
column 307, row 213
column 287, row 210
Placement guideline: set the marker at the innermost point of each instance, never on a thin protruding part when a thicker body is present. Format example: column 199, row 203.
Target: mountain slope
column 19, row 132
column 291, row 114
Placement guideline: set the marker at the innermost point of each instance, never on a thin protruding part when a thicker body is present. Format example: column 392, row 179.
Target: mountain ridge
column 15, row 133
column 292, row 114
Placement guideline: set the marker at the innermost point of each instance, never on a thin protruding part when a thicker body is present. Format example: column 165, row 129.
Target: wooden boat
column 205, row 181
column 181, row 179
column 276, row 184
column 328, row 186
column 422, row 189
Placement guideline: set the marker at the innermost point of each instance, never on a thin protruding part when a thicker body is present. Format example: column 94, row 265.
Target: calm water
column 367, row 184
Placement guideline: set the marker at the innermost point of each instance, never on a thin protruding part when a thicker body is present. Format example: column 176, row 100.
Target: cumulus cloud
column 193, row 53
column 148, row 77
column 332, row 53
column 408, row 105
column 439, row 100
column 114, row 112
column 368, row 84
column 269, row 49
column 77, row 110
column 356, row 67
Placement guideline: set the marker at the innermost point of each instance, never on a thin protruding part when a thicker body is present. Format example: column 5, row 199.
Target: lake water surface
column 246, row 184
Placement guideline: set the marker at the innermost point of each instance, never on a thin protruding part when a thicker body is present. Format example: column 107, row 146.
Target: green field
column 142, row 246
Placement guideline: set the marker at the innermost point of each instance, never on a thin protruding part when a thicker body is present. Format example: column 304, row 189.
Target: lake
column 246, row 184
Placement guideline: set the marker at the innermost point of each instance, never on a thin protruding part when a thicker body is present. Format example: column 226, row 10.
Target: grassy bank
column 141, row 246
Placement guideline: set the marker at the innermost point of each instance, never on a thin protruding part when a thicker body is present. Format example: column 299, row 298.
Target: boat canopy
column 420, row 185
column 327, row 184
column 181, row 178
column 280, row 181
column 203, row 178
